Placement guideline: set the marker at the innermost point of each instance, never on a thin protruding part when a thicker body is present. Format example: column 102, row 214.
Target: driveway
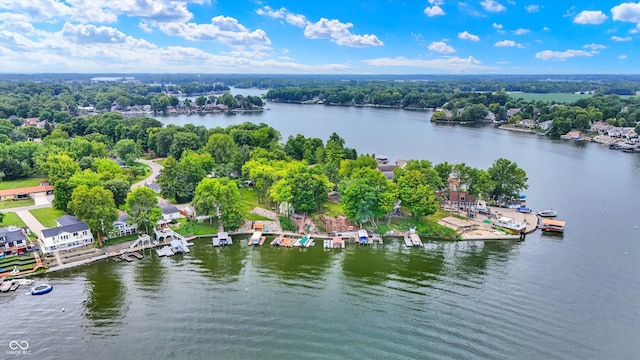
column 155, row 171
column 31, row 222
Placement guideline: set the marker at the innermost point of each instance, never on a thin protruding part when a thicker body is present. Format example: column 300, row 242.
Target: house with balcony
column 13, row 241
column 69, row 234
column 121, row 226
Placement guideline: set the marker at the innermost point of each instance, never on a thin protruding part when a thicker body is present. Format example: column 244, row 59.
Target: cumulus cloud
column 441, row 47
column 594, row 47
column 92, row 34
column 448, row 64
column 492, row 6
column 339, row 33
column 561, row 55
column 298, row 20
column 590, row 17
column 522, row 31
column 465, row 35
column 629, row 12
column 223, row 29
column 620, row 39
column 533, row 8
column 497, row 26
column 434, row 9
column 507, row 43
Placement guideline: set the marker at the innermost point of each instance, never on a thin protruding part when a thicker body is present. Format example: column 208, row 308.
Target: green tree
column 96, row 207
column 416, row 194
column 58, row 167
column 367, row 195
column 183, row 141
column 142, row 208
column 119, row 187
column 220, row 198
column 128, row 150
column 509, row 180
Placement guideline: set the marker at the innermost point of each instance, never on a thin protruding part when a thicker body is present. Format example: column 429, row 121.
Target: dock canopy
column 554, row 222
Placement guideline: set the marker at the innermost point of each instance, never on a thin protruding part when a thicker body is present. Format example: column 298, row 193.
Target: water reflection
column 224, row 265
column 149, row 273
column 105, row 302
column 470, row 259
column 295, row 263
column 367, row 265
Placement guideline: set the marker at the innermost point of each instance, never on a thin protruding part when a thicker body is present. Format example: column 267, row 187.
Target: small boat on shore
column 523, row 209
column 41, row 289
column 510, row 224
column 548, row 213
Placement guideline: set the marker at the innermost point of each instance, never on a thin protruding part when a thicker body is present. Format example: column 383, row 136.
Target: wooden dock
column 136, row 255
column 126, row 258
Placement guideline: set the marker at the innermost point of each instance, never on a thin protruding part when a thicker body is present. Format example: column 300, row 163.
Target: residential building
column 68, row 235
column 121, row 227
column 13, row 241
column 27, row 192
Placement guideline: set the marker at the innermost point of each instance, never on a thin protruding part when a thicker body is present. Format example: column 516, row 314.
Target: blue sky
column 320, row 37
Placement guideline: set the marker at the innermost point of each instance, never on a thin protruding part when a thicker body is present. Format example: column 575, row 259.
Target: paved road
column 155, row 171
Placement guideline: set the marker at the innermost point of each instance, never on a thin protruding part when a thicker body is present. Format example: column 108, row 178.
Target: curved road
column 155, row 171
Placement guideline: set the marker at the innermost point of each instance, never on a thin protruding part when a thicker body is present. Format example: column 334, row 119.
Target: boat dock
column 412, row 239
column 277, row 241
column 336, row 243
column 257, row 239
column 305, row 241
column 221, row 239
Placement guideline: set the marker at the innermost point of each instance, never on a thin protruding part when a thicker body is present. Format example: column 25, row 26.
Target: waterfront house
column 512, row 112
column 72, row 234
column 462, row 200
column 169, row 213
column 388, row 169
column 527, row 123
column 13, row 241
column 121, row 227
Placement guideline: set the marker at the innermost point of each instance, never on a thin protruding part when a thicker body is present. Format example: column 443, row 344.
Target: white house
column 70, row 234
column 13, row 241
column 169, row 213
column 121, row 227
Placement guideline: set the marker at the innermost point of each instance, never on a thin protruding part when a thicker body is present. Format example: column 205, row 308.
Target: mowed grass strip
column 10, row 204
column 20, row 183
column 11, row 218
column 47, row 216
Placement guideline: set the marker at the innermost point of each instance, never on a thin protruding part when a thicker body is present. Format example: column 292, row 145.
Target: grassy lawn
column 47, row 216
column 147, row 171
column 249, row 199
column 12, row 218
column 332, row 209
column 159, row 161
column 196, row 228
column 20, row 183
column 9, row 204
column 120, row 239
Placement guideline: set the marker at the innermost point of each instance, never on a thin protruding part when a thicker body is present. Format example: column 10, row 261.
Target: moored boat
column 523, row 209
column 548, row 213
column 552, row 225
column 41, row 289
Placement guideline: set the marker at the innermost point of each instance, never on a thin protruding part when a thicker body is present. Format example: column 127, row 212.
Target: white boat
column 548, row 213
column 510, row 224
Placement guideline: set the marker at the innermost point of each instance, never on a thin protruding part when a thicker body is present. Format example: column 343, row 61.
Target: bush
column 287, row 224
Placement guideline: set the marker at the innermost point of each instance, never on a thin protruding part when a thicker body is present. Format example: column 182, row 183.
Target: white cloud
column 522, row 31
column 298, row 20
column 441, row 47
column 546, row 28
column 533, row 8
column 92, row 34
column 225, row 30
column 497, row 26
column 37, row 11
column 492, row 6
column 561, row 55
column 465, row 35
column 590, row 17
column 629, row 12
column 594, row 47
column 507, row 43
column 449, row 63
column 339, row 33
column 55, row 52
column 433, row 11
column 144, row 26
column 623, row 57
column 618, row 38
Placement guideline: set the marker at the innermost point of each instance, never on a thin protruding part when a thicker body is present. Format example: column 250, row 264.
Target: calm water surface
column 571, row 297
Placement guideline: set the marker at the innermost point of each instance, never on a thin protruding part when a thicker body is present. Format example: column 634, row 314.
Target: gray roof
column 154, row 186
column 8, row 236
column 169, row 209
column 123, row 217
column 65, row 220
column 79, row 226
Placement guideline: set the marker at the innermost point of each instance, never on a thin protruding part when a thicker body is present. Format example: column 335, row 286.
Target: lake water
column 570, row 297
